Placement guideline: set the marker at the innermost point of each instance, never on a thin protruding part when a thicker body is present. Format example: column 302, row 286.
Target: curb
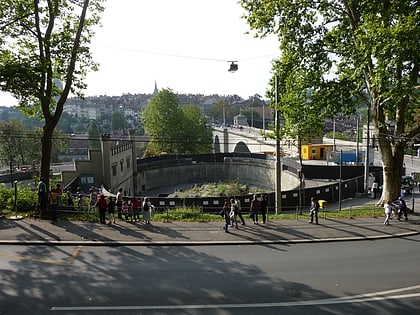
column 205, row 243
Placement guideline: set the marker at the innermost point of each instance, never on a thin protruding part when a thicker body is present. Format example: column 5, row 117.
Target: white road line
column 370, row 297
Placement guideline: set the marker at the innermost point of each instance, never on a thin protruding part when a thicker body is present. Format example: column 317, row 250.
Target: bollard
column 16, row 216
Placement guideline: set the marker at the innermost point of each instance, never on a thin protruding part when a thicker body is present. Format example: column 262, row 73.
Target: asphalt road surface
column 363, row 277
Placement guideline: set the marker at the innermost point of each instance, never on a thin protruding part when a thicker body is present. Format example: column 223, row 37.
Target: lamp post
column 278, row 157
column 16, row 216
column 367, row 151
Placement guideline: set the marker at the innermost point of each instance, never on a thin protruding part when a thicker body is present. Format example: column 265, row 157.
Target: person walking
column 254, row 209
column 226, row 215
column 42, row 195
column 388, row 207
column 263, row 208
column 313, row 211
column 239, row 209
column 111, row 210
column 119, row 203
column 233, row 213
column 147, row 209
column 402, row 208
column 102, row 206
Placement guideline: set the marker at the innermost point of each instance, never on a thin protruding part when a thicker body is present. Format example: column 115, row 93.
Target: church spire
column 156, row 89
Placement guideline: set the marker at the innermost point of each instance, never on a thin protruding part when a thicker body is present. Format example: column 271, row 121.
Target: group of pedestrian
column 127, row 209
column 232, row 211
column 51, row 197
column 399, row 206
column 259, row 205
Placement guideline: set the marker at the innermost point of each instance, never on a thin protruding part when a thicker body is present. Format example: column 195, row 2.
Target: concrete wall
column 255, row 172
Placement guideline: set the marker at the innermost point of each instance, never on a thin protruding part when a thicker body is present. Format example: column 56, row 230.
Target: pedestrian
column 388, row 207
column 147, row 209
column 402, row 208
column 79, row 196
column 226, row 215
column 375, row 189
column 136, row 208
column 119, row 203
column 254, row 209
column 239, row 209
column 59, row 192
column 69, row 197
column 93, row 198
column 53, row 200
column 111, row 210
column 126, row 210
column 313, row 210
column 102, row 206
column 233, row 213
column 263, row 208
column 42, row 195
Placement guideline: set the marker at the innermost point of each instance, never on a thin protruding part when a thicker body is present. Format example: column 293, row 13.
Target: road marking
column 369, row 297
column 66, row 262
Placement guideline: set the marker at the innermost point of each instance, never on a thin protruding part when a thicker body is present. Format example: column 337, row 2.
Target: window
column 114, row 169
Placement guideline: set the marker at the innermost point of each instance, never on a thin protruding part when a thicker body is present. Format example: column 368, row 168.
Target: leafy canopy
column 176, row 130
column 350, row 53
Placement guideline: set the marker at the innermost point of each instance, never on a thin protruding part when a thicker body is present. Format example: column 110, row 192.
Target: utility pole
column 278, row 157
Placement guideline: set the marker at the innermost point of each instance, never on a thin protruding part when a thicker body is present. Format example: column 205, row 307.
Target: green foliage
column 94, row 135
column 175, row 130
column 21, row 145
column 118, row 121
column 228, row 189
column 347, row 54
column 44, row 55
column 26, row 198
column 197, row 136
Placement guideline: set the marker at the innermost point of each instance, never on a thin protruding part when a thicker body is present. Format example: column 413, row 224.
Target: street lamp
column 233, row 66
column 278, row 157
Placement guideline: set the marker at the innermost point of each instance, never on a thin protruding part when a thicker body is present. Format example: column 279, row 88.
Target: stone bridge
column 241, row 140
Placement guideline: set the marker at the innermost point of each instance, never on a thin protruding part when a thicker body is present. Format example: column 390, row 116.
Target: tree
column 94, row 136
column 224, row 112
column 353, row 53
column 44, row 55
column 23, row 145
column 175, row 130
column 197, row 136
column 118, row 121
column 12, row 141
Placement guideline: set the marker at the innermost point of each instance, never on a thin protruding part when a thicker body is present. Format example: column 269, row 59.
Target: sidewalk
column 32, row 231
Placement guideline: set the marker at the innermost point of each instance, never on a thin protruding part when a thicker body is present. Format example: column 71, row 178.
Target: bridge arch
column 241, row 147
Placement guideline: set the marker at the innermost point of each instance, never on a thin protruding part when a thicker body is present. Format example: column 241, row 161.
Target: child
column 125, row 209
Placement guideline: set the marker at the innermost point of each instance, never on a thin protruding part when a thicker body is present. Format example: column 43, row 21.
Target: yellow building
column 315, row 151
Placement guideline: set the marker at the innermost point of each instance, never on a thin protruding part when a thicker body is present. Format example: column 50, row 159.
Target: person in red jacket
column 102, row 206
column 136, row 208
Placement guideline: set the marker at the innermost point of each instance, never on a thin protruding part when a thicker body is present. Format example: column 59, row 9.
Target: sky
column 184, row 45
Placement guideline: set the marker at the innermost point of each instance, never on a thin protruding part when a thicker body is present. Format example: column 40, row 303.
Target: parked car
column 407, row 183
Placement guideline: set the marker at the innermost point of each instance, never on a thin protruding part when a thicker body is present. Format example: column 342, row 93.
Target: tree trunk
column 392, row 161
column 46, row 147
